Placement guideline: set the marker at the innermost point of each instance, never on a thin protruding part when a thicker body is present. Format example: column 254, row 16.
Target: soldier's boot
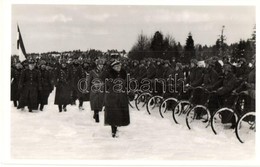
column 41, row 107
column 97, row 118
column 114, row 130
column 64, row 108
column 60, row 108
column 96, row 115
column 80, row 105
column 15, row 103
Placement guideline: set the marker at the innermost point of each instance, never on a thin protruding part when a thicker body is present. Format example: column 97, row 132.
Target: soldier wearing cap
column 96, row 88
column 63, row 78
column 73, row 69
column 248, row 86
column 15, row 76
column 47, row 87
column 116, row 100
column 29, row 84
column 168, row 72
column 82, row 76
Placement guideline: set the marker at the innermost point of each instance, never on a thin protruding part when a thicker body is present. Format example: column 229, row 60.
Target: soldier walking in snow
column 63, row 86
column 30, row 84
column 96, row 89
column 116, row 100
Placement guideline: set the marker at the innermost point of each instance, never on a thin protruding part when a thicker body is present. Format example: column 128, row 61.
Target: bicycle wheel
column 198, row 117
column 180, row 111
column 222, row 119
column 154, row 103
column 245, row 129
column 167, row 105
column 141, row 100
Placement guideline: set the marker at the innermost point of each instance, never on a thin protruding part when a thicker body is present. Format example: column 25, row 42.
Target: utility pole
column 222, row 39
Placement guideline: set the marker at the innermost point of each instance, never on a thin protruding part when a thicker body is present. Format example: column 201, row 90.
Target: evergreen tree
column 189, row 50
column 158, row 45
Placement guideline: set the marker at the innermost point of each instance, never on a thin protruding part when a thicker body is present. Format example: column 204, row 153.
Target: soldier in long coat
column 96, row 89
column 29, row 84
column 15, row 77
column 46, row 85
column 73, row 70
column 63, row 86
column 116, row 100
column 82, row 76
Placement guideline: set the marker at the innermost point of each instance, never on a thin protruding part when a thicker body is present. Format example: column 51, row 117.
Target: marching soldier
column 46, row 85
column 29, row 84
column 116, row 100
column 63, row 86
column 96, row 89
column 82, row 76
column 15, row 76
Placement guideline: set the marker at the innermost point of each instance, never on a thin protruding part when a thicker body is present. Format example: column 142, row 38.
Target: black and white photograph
column 110, row 83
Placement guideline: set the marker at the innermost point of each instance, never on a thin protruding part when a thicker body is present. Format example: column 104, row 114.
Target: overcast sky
column 69, row 27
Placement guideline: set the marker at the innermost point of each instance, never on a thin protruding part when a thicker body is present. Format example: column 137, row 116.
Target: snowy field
column 74, row 135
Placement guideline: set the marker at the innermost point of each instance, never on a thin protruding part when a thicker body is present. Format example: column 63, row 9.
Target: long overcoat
column 96, row 90
column 82, row 76
column 63, row 86
column 46, row 87
column 29, row 84
column 15, row 76
column 116, row 100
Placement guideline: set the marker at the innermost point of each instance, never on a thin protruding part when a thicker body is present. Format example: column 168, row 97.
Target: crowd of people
column 32, row 81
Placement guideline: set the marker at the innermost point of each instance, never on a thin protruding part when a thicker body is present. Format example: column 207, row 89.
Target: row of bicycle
column 200, row 108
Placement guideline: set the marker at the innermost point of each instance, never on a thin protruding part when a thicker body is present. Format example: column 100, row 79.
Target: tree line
column 165, row 47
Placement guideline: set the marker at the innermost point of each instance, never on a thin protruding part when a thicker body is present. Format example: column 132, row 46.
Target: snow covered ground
column 74, row 135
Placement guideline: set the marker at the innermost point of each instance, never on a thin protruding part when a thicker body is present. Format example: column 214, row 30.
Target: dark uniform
column 195, row 76
column 156, row 73
column 29, row 84
column 47, row 87
column 63, row 87
column 15, row 77
column 210, row 75
column 82, row 76
column 116, row 101
column 243, row 70
column 168, row 72
column 96, row 90
column 73, row 71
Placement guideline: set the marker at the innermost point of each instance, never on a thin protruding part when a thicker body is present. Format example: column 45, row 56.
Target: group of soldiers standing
column 32, row 82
